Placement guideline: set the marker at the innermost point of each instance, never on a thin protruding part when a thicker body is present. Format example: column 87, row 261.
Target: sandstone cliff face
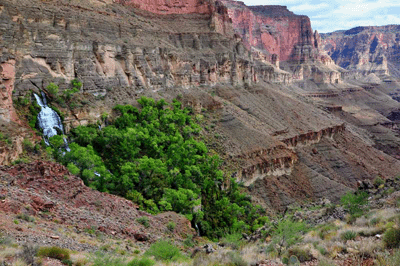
column 275, row 34
column 7, row 80
column 118, row 50
column 170, row 6
column 275, row 30
column 366, row 49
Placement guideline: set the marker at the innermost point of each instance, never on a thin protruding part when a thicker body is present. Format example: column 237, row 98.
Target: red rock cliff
column 274, row 30
column 366, row 49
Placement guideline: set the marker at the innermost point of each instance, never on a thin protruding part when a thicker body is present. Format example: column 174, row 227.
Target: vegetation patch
column 391, row 238
column 151, row 156
column 54, row 252
column 164, row 251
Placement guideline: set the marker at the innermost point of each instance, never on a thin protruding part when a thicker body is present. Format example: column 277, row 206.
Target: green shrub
column 325, row 230
column 28, row 145
column 73, row 169
column 28, row 254
column 142, row 262
column 103, row 259
column 391, row 238
column 355, row 203
column 165, row 251
column 389, row 259
column 375, row 221
column 287, row 233
column 54, row 253
column 348, row 235
column 378, row 181
column 235, row 259
column 52, row 89
column 144, row 220
column 25, row 217
column 171, row 226
column 233, row 241
column 188, row 242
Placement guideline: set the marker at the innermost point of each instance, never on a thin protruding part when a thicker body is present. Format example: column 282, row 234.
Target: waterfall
column 48, row 120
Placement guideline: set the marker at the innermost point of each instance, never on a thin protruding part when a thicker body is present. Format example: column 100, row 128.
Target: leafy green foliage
column 5, row 138
column 54, row 252
column 234, row 241
column 142, row 262
column 165, row 251
column 52, row 89
column 288, row 232
column 151, row 156
column 355, row 203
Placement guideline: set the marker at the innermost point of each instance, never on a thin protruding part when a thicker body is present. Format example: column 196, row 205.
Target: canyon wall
column 275, row 34
column 107, row 50
column 237, row 62
column 274, row 29
column 366, row 49
column 165, row 7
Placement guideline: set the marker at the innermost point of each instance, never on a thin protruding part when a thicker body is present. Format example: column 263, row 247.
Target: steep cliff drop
column 277, row 35
column 366, row 50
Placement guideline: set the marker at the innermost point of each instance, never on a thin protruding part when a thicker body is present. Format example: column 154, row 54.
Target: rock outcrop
column 275, row 34
column 165, row 7
column 366, row 49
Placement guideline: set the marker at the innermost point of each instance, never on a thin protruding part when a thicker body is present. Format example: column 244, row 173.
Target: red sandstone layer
column 275, row 30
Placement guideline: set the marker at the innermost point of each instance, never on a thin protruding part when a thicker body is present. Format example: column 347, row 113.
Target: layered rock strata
column 275, row 34
column 365, row 49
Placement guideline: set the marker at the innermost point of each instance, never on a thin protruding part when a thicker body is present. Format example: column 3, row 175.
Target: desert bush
column 348, row 235
column 165, row 251
column 171, row 226
column 355, row 203
column 374, row 221
column 326, row 230
column 378, row 181
column 188, row 242
column 28, row 145
column 142, row 262
column 25, row 217
column 391, row 238
column 54, row 253
column 28, row 254
column 326, row 262
column 389, row 259
column 301, row 254
column 104, row 259
column 144, row 220
column 233, row 241
column 287, row 233
column 235, row 259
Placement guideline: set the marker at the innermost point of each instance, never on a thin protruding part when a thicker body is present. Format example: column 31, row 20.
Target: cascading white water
column 48, row 120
